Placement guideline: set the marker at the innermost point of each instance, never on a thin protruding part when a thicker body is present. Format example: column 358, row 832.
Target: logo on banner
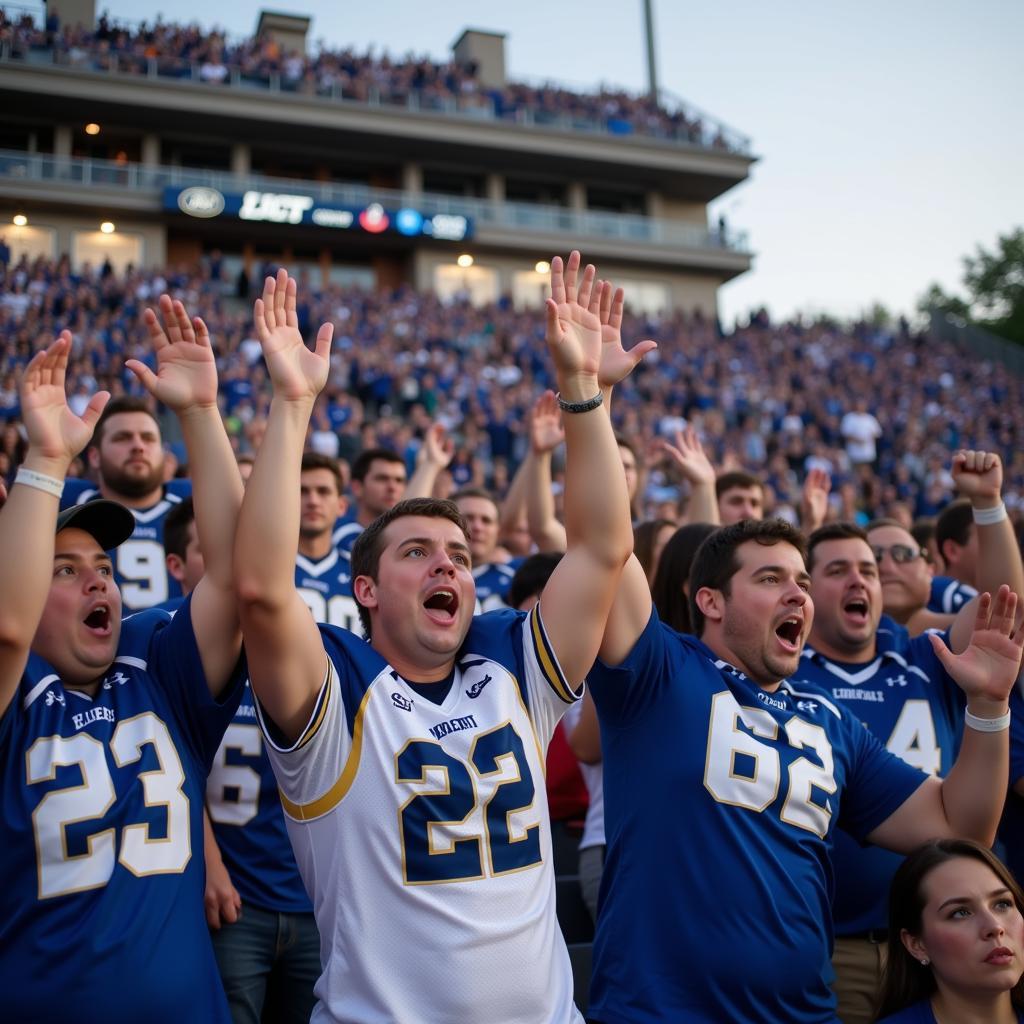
column 200, row 201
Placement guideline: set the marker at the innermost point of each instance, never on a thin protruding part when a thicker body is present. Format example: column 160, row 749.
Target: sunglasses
column 901, row 553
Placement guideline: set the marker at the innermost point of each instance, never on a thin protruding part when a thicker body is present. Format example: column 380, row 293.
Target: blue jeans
column 264, row 948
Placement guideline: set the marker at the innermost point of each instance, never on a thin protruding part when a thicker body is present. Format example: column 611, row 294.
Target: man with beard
column 724, row 783
column 126, row 454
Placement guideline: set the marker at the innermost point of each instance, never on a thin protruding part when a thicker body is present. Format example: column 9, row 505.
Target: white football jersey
column 421, row 832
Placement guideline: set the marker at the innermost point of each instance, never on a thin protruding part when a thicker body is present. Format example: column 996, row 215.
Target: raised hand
column 616, row 362
column 55, row 433
column 979, row 476
column 437, row 448
column 988, row 668
column 573, row 330
column 688, row 454
column 186, row 372
column 814, row 499
column 546, row 432
column 297, row 373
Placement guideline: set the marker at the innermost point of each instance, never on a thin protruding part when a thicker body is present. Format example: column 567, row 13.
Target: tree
column 994, row 282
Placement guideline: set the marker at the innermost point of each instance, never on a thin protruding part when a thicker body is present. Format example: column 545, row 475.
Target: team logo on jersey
column 900, row 680
column 55, row 698
column 477, row 688
column 400, row 702
column 119, row 677
column 810, row 706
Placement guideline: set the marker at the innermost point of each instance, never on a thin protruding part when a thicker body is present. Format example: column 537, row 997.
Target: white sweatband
column 989, row 516
column 987, row 724
column 40, row 481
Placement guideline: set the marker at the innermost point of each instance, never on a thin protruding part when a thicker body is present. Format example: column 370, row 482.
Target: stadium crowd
column 774, row 400
column 187, row 51
column 372, row 808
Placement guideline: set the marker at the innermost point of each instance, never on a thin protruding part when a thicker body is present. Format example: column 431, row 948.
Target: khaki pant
column 858, row 965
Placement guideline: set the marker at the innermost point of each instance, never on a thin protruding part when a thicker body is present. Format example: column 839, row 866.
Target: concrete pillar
column 241, row 159
column 150, row 150
column 77, row 12
column 576, row 194
column 494, row 185
column 412, row 179
column 655, row 205
column 62, row 140
column 487, row 51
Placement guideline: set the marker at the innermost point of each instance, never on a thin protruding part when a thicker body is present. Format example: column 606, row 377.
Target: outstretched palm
column 988, row 668
column 546, row 431
column 297, row 372
column 186, row 374
column 688, row 454
column 616, row 363
column 54, row 431
column 573, row 330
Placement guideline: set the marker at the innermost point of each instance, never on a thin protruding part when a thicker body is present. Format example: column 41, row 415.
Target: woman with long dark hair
column 670, row 589
column 956, row 939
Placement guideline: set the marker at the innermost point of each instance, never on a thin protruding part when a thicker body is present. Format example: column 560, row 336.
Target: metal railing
column 697, row 131
column 17, row 166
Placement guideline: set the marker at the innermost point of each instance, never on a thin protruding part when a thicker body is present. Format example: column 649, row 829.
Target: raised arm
column 434, row 456
column 28, row 519
column 546, row 434
column 286, row 657
column 186, row 381
column 688, row 454
column 814, row 500
column 579, row 594
column 969, row 800
column 979, row 477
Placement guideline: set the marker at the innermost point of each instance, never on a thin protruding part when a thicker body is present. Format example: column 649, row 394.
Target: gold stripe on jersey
column 326, row 803
column 320, row 712
column 547, row 660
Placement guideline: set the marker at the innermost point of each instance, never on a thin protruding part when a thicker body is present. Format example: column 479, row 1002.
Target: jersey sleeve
column 550, row 692
column 878, row 782
column 175, row 663
column 623, row 693
column 316, row 770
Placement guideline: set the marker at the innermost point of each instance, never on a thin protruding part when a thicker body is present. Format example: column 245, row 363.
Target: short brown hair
column 715, row 563
column 370, row 543
column 833, row 531
column 316, row 460
column 736, row 478
column 123, row 403
column 176, row 524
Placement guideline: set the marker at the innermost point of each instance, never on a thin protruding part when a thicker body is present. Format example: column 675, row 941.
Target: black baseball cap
column 109, row 522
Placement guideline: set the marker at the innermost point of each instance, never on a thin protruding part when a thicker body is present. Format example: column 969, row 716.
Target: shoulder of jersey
column 178, row 488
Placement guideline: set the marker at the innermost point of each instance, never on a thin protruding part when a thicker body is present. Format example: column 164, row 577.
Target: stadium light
column 92, row 128
column 19, row 220
column 465, row 260
column 107, row 227
column 542, row 267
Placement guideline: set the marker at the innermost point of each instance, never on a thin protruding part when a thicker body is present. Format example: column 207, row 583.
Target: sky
column 889, row 133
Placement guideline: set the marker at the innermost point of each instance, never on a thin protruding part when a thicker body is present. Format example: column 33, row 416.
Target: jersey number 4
column 448, row 799
column 61, row 872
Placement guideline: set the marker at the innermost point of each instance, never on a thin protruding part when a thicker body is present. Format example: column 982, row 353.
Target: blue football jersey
column 345, row 532
column 721, row 800
column 245, row 811
column 101, row 913
column 492, row 583
column 948, row 595
column 326, row 587
column 910, row 703
column 139, row 566
column 1011, row 827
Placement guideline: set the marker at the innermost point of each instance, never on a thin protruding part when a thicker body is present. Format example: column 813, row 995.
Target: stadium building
column 155, row 162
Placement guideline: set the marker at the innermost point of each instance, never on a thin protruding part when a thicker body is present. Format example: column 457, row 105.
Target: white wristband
column 989, row 516
column 40, row 481
column 987, row 724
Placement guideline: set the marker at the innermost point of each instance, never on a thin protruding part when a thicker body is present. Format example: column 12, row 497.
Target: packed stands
column 768, row 398
column 187, row 52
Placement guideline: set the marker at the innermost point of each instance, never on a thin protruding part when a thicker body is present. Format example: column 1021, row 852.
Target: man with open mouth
column 725, row 781
column 895, row 684
column 411, row 763
column 108, row 727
